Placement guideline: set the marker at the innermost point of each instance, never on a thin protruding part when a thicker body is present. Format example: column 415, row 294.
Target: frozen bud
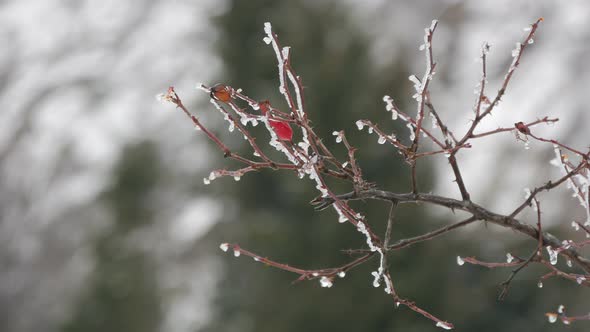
column 509, row 258
column 580, row 279
column 575, row 226
column 360, row 125
column 326, row 282
column 338, row 135
column 267, row 40
column 381, row 139
column 560, row 309
column 460, row 261
column 569, row 263
column 161, row 97
column 224, row 246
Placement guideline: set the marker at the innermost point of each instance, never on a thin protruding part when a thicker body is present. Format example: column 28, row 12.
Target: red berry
column 221, row 93
column 282, row 129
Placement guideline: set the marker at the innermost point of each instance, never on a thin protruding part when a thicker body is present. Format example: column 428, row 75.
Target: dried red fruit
column 520, row 126
column 264, row 106
column 221, row 93
column 282, row 129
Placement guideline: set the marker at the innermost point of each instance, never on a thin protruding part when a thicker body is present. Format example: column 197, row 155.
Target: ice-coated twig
column 313, row 159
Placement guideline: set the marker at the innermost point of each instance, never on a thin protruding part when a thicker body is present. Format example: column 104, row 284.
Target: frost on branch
column 304, row 154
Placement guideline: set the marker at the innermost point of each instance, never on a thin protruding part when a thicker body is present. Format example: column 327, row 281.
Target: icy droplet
column 569, row 263
column 560, row 309
column 341, row 274
column 342, row 218
column 370, row 130
column 540, row 284
column 256, row 259
column 267, row 40
column 381, row 140
column 531, row 41
column 315, row 274
column 237, row 252
column 552, row 255
column 516, row 50
column 551, row 317
column 326, row 282
column 580, row 279
column 443, row 325
column 224, row 246
column 206, row 181
column 460, row 261
column 237, row 178
column 197, row 128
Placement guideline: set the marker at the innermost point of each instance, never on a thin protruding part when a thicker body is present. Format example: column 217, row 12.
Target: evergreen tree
column 122, row 293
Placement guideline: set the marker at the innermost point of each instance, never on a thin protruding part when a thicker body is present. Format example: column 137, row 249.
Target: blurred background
column 106, row 225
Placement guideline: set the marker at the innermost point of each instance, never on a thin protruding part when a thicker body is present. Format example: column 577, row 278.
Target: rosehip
column 520, row 126
column 221, row 93
column 282, row 129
